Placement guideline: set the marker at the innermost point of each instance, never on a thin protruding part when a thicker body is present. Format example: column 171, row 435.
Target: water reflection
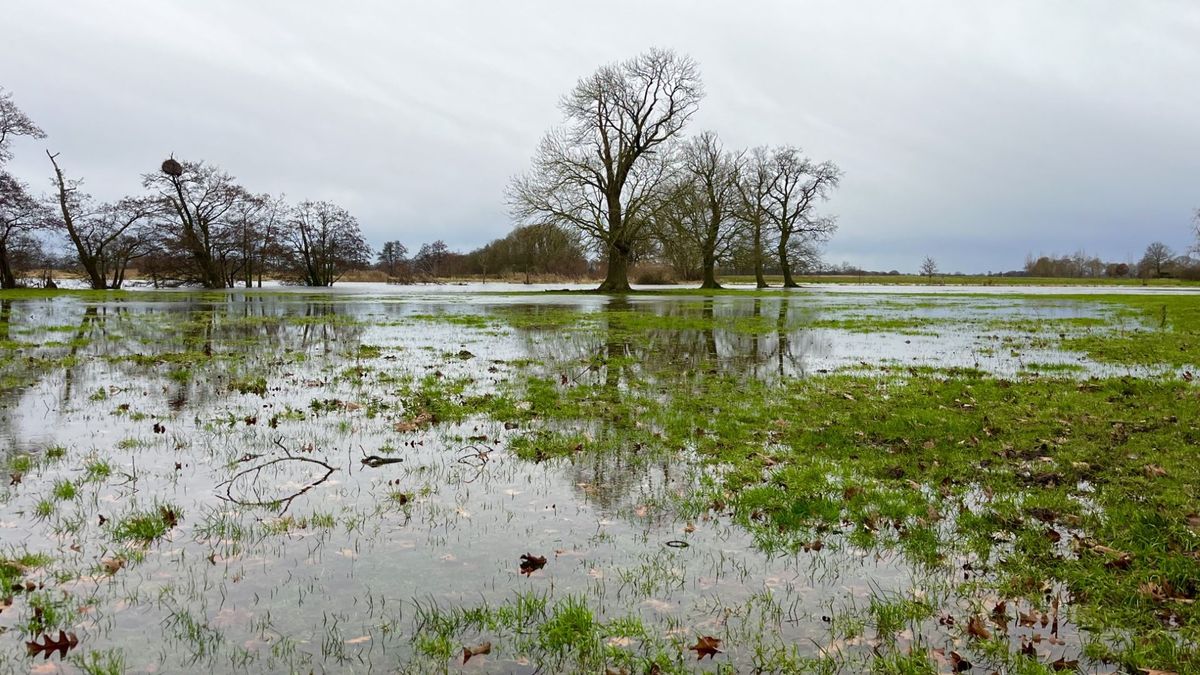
column 766, row 339
column 65, row 355
column 70, row 365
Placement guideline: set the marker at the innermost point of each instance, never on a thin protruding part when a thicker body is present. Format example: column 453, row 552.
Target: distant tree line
column 1158, row 261
column 529, row 252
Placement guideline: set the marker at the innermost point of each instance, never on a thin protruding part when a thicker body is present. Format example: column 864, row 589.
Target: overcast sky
column 975, row 132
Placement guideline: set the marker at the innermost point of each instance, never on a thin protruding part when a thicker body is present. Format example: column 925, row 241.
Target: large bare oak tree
column 202, row 199
column 603, row 172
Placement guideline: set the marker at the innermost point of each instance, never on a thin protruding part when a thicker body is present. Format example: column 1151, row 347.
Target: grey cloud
column 971, row 131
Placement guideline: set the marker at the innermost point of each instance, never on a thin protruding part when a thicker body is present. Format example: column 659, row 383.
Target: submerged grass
column 1045, row 490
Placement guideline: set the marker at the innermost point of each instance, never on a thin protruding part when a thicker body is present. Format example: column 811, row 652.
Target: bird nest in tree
column 172, row 167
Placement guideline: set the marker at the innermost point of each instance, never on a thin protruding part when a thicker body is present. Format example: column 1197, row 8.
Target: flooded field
column 478, row 481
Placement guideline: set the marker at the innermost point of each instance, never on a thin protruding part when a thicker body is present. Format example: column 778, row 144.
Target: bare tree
column 754, row 185
column 20, row 215
column 543, row 247
column 324, row 242
column 929, row 268
column 703, row 207
column 1196, row 227
column 797, row 186
column 391, row 257
column 202, row 199
column 430, row 258
column 14, row 122
column 106, row 237
column 604, row 171
column 252, row 223
column 1155, row 260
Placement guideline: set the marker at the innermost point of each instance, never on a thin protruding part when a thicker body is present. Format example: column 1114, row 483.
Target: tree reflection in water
column 621, row 352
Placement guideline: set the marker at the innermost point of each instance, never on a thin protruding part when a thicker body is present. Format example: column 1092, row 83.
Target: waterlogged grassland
column 784, row 482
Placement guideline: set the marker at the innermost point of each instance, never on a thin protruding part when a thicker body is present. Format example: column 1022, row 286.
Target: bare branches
column 20, row 215
column 14, row 122
column 797, row 186
column 323, row 241
column 256, row 473
column 202, row 197
column 698, row 225
column 599, row 173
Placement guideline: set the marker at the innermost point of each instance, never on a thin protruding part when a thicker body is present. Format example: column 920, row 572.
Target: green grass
column 147, row 526
column 64, row 490
column 1045, row 479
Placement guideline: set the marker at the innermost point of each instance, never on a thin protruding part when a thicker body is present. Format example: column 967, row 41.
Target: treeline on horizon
column 616, row 192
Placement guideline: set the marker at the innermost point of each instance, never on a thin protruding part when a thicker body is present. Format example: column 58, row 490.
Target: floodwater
column 327, row 564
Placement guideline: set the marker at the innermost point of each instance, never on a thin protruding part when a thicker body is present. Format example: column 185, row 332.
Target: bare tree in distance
column 255, row 222
column 14, row 122
column 391, row 257
column 1196, row 228
column 604, row 171
column 929, row 268
column 20, row 215
column 1155, row 260
column 431, row 256
column 106, row 236
column 324, row 242
column 797, row 186
column 753, row 186
column 542, row 247
column 703, row 207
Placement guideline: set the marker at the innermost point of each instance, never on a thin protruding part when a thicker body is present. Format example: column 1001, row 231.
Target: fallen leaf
column 706, row 645
column 113, row 565
column 1063, row 664
column 1154, row 471
column 63, row 644
column 477, row 650
column 976, row 628
column 957, row 663
column 530, row 563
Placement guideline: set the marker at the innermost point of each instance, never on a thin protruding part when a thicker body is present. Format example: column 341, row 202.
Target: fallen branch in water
column 256, row 470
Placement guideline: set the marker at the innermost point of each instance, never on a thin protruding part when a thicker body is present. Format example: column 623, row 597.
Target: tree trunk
column 760, row 280
column 7, row 278
column 617, row 279
column 86, row 258
column 709, row 272
column 788, row 282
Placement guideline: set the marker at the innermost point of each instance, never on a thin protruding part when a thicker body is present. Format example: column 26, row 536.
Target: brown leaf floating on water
column 477, row 650
column 530, row 563
column 706, row 645
column 1063, row 664
column 169, row 516
column 63, row 644
column 976, row 629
